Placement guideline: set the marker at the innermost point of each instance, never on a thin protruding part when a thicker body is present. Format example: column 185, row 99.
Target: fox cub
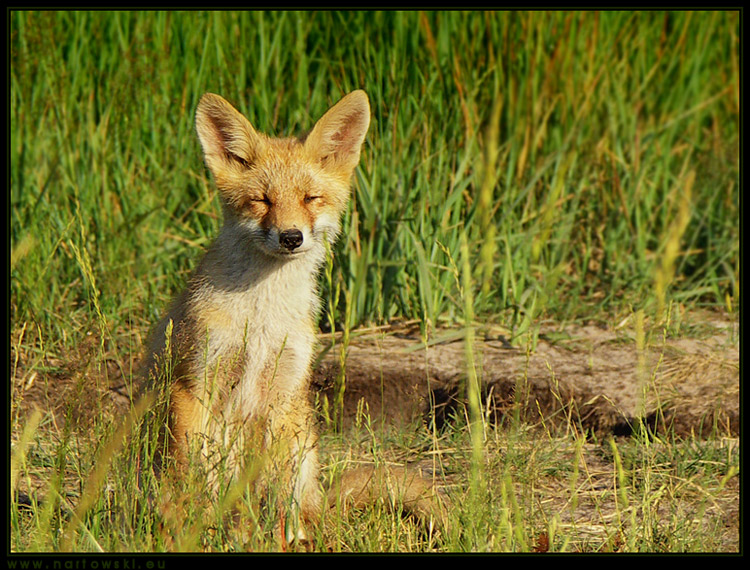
column 238, row 342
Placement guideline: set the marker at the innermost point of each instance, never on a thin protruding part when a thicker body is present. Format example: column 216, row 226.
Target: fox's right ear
column 228, row 139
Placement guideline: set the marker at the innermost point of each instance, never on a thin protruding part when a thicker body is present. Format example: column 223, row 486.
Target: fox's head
column 287, row 194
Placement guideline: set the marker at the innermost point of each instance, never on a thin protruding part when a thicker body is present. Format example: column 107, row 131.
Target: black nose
column 291, row 239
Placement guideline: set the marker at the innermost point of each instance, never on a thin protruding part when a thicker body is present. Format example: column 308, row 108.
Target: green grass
column 602, row 120
column 519, row 166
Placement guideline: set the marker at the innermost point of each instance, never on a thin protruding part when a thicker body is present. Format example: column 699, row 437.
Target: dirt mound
column 591, row 375
column 594, row 376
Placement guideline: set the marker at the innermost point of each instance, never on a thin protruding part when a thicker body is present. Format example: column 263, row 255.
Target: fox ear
column 336, row 139
column 227, row 137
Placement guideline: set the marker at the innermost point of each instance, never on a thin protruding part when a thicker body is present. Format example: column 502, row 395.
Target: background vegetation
column 519, row 165
column 612, row 153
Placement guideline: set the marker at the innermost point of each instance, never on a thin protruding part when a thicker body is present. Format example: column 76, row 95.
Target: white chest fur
column 259, row 338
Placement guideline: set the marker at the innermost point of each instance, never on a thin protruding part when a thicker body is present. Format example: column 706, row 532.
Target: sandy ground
column 590, row 374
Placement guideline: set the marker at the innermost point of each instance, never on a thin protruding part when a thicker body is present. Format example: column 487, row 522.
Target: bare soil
column 594, row 376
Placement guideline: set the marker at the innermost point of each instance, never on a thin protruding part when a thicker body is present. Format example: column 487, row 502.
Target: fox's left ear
column 337, row 137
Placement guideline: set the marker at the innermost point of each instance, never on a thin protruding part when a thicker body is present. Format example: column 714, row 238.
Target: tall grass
column 601, row 120
column 519, row 165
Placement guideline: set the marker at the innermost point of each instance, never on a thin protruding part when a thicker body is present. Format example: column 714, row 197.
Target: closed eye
column 309, row 199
